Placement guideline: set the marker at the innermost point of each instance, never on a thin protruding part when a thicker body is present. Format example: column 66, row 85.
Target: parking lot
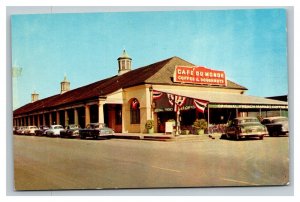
column 42, row 163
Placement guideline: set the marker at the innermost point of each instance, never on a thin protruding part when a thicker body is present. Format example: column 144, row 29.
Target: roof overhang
column 229, row 100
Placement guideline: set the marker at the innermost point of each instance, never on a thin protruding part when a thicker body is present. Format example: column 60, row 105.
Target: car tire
column 228, row 137
column 261, row 137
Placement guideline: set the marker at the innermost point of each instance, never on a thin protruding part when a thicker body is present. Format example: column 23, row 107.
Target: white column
column 50, row 118
column 44, row 119
column 100, row 113
column 66, row 118
column 87, row 114
column 38, row 121
column 28, row 121
column 76, row 117
column 57, row 118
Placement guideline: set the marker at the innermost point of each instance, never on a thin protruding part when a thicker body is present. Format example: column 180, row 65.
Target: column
column 44, row 119
column 38, row 121
column 76, row 117
column 50, row 118
column 33, row 120
column 57, row 118
column 87, row 114
column 28, row 121
column 100, row 113
column 66, row 118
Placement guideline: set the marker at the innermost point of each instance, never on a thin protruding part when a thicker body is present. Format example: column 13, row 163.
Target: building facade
column 125, row 101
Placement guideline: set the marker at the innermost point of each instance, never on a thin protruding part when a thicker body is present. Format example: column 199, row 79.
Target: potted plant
column 200, row 125
column 149, row 126
column 185, row 131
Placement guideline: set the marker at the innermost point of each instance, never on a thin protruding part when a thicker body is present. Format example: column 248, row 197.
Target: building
column 126, row 101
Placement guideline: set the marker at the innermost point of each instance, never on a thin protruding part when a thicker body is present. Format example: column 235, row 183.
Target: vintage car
column 70, row 131
column 244, row 127
column 276, row 125
column 96, row 130
column 41, row 130
column 30, row 130
column 54, row 130
column 21, row 130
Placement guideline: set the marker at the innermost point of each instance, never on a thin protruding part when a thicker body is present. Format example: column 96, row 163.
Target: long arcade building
column 126, row 101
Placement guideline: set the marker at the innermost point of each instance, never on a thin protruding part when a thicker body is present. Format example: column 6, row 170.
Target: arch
column 135, row 117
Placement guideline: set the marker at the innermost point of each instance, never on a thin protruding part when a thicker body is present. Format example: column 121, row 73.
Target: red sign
column 199, row 75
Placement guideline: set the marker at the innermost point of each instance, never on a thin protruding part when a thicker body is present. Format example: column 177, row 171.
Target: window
column 134, row 111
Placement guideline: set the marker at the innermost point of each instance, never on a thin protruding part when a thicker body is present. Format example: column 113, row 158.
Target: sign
column 171, row 102
column 248, row 106
column 199, row 75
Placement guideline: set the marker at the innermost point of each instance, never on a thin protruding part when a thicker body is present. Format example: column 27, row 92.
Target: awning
column 229, row 100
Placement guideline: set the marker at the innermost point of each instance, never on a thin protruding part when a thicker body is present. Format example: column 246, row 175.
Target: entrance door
column 113, row 116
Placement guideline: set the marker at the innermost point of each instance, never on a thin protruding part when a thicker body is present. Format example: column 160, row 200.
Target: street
column 42, row 163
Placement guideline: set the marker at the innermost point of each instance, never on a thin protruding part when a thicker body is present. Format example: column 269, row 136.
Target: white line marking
column 178, row 171
column 248, row 183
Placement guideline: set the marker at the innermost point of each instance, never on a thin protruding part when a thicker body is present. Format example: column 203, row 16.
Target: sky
column 249, row 45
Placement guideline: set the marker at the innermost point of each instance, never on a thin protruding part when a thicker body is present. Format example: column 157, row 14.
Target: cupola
column 34, row 97
column 64, row 85
column 124, row 62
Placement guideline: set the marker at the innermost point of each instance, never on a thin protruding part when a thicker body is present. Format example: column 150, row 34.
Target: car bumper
column 257, row 134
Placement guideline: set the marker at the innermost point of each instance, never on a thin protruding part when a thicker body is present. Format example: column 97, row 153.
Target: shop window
column 134, row 111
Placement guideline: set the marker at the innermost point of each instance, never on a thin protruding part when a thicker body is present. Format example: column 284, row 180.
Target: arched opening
column 134, row 111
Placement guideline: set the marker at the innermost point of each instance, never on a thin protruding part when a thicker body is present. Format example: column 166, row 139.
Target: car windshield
column 73, row 126
column 96, row 126
column 279, row 120
column 241, row 121
column 58, row 127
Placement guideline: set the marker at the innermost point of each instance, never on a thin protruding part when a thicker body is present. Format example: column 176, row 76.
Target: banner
column 199, row 75
column 172, row 102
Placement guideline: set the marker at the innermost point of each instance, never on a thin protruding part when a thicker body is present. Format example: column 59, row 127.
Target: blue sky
column 249, row 45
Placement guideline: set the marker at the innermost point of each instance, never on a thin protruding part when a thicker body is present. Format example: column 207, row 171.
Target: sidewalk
column 167, row 137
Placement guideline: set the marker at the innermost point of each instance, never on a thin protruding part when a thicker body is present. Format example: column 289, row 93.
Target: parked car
column 70, row 131
column 276, row 125
column 20, row 130
column 96, row 130
column 244, row 127
column 41, row 130
column 54, row 130
column 30, row 130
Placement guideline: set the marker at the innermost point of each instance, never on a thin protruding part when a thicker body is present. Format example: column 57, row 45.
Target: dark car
column 70, row 131
column 96, row 130
column 244, row 127
column 41, row 130
column 276, row 125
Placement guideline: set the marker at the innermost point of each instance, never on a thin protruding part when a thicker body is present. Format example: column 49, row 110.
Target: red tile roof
column 157, row 73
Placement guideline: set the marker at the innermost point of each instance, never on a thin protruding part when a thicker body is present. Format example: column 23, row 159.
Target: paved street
column 43, row 163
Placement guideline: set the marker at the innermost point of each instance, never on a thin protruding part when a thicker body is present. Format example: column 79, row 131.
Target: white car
column 54, row 130
column 30, row 130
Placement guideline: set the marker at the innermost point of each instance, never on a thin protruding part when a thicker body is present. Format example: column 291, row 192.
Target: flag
column 134, row 104
column 179, row 102
column 171, row 99
column 176, row 101
column 200, row 105
column 156, row 94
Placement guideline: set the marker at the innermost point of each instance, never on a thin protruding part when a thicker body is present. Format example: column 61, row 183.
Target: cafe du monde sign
column 199, row 75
